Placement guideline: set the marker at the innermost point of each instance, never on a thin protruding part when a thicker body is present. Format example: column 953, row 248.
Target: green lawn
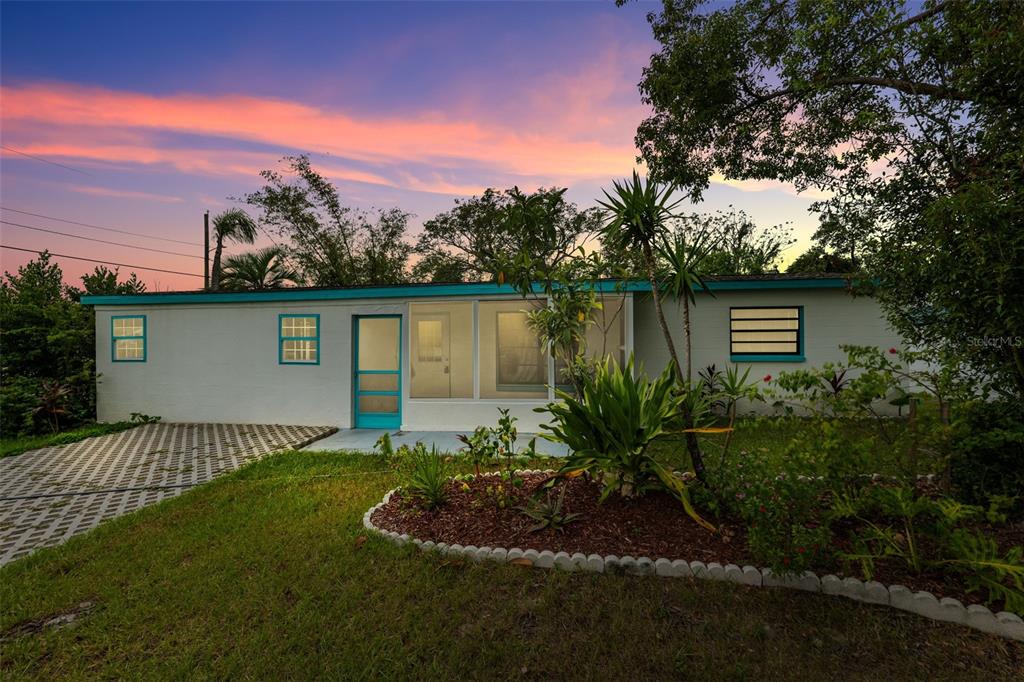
column 261, row 574
column 15, row 446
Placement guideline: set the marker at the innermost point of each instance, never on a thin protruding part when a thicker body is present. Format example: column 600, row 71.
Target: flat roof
column 722, row 283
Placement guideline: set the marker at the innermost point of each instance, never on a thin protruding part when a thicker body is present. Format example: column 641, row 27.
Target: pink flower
column 767, row 377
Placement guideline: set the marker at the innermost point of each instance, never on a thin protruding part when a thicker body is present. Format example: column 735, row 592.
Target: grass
column 264, row 573
column 15, row 446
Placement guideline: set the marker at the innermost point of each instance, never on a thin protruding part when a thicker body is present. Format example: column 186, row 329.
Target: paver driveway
column 48, row 495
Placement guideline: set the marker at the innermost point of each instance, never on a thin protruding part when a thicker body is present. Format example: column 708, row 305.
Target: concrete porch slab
column 363, row 440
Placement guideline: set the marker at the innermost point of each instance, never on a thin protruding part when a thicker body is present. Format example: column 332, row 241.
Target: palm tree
column 636, row 217
column 260, row 269
column 685, row 257
column 231, row 225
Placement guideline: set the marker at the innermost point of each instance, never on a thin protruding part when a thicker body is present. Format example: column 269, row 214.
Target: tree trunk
column 689, row 345
column 649, row 262
column 215, row 274
column 692, row 444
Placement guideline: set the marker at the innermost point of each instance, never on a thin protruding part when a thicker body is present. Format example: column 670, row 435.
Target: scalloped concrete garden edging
column 1004, row 623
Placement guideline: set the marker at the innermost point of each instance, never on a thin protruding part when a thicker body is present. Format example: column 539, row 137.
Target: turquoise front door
column 378, row 371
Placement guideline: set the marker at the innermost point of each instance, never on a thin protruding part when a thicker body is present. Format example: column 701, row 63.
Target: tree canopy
column 48, row 342
column 481, row 235
column 908, row 119
column 329, row 243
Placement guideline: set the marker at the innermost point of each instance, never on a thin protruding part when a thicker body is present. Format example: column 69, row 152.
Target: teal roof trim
column 431, row 291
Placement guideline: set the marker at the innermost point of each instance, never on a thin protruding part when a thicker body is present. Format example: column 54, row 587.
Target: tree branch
column 899, row 84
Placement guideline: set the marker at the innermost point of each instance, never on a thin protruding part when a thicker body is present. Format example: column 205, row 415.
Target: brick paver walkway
column 48, row 495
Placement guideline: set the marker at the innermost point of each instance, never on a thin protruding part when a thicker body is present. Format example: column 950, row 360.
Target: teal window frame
column 281, row 338
column 114, row 338
column 798, row 356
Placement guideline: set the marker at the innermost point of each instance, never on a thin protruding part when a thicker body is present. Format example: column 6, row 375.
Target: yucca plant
column 610, row 426
column 425, row 475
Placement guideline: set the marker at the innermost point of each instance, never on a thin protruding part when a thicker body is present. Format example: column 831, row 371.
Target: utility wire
column 39, row 158
column 101, row 262
column 98, row 227
column 100, row 241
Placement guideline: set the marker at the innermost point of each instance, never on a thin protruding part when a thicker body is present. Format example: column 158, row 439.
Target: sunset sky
column 147, row 115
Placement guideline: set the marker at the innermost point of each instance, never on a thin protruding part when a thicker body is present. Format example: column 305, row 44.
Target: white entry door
column 431, row 374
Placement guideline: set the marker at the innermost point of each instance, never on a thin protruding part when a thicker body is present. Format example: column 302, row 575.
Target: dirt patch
column 655, row 525
column 55, row 621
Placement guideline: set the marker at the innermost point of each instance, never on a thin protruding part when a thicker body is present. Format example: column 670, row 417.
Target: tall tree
column 481, row 235
column 104, row 282
column 817, row 260
column 261, row 269
column 637, row 213
column 233, row 225
column 741, row 247
column 330, row 244
column 686, row 255
column 909, row 113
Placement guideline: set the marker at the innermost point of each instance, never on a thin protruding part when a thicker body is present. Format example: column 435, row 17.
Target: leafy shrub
column 899, row 525
column 610, row 427
column 425, row 474
column 783, row 514
column 487, row 444
column 988, row 452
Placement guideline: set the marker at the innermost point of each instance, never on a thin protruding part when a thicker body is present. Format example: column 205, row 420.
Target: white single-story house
column 433, row 357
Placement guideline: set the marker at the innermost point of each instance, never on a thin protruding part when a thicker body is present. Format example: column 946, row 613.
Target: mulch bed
column 654, row 526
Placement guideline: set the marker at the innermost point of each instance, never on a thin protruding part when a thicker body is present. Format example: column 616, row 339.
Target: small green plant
column 425, row 475
column 548, row 511
column 481, row 447
column 497, row 496
column 384, row 447
column 140, row 418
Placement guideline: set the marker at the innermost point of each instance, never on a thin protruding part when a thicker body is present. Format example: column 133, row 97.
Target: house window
column 766, row 333
column 441, row 359
column 513, row 362
column 128, row 338
column 299, row 339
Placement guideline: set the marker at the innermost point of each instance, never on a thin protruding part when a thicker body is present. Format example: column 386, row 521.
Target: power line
column 39, row 158
column 98, row 227
column 101, row 262
column 99, row 241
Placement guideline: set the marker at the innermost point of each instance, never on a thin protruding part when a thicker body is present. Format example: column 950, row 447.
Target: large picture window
column 441, row 357
column 128, row 338
column 513, row 363
column 299, row 339
column 766, row 333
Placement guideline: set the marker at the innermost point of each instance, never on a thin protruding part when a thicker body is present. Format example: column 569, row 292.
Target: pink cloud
column 428, row 139
column 122, row 194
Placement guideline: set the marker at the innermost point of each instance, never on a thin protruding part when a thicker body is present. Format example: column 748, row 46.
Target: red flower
column 767, row 377
column 892, row 351
column 761, row 509
column 785, row 560
column 800, row 550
